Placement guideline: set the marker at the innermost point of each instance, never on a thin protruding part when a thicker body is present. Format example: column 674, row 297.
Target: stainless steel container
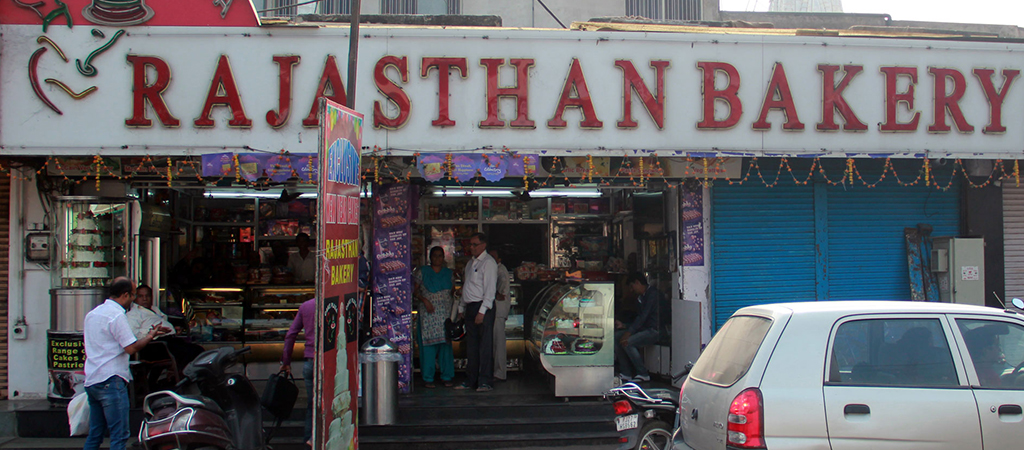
column 379, row 359
column 69, row 306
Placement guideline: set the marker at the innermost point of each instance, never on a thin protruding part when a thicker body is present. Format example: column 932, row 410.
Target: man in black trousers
column 478, row 286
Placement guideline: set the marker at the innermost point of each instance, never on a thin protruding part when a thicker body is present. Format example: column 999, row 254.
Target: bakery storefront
column 180, row 150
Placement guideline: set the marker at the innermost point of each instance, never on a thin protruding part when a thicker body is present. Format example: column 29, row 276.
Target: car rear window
column 727, row 358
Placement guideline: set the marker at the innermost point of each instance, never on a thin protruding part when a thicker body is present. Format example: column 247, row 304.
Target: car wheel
column 655, row 435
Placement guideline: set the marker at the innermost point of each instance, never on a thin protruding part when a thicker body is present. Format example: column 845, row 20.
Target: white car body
column 857, row 375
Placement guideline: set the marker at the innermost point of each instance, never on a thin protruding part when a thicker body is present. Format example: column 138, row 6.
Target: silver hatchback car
column 858, row 375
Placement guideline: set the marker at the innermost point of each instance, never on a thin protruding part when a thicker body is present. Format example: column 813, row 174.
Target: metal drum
column 69, row 307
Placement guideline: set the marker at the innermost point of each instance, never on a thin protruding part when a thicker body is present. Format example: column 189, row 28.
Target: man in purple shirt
column 305, row 321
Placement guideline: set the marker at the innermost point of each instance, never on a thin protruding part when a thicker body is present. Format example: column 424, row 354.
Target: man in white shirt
column 108, row 343
column 302, row 264
column 144, row 316
column 502, row 304
column 478, row 288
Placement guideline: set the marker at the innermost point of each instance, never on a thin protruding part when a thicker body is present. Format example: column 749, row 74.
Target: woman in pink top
column 305, row 322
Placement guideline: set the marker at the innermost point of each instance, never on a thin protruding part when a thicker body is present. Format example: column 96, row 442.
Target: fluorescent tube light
column 592, row 193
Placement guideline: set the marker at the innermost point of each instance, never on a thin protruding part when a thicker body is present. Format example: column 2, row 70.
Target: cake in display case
column 92, row 241
column 572, row 334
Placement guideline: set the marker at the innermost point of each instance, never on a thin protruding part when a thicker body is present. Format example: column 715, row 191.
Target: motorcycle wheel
column 655, row 435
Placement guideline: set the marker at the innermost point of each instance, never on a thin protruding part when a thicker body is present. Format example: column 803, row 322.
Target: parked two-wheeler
column 211, row 408
column 645, row 418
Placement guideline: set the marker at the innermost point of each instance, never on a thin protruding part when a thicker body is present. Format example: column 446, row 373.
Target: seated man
column 643, row 331
column 143, row 316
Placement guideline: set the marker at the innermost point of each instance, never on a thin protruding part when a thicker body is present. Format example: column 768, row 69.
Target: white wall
column 690, row 321
column 529, row 13
column 29, row 297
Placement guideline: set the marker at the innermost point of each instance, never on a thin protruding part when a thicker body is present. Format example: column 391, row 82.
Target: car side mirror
column 1017, row 303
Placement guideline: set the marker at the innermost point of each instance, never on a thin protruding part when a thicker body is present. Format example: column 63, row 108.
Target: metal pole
column 353, row 53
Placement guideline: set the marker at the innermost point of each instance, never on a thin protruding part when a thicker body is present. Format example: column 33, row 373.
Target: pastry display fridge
column 572, row 334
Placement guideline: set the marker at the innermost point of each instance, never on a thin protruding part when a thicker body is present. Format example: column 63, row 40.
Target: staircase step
column 487, row 427
column 485, row 441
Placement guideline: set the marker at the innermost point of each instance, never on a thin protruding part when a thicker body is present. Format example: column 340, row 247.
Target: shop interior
column 218, row 254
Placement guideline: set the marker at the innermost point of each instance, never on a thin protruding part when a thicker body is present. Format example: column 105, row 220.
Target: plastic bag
column 78, row 414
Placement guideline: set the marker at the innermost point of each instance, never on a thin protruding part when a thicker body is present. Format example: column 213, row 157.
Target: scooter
column 645, row 418
column 208, row 409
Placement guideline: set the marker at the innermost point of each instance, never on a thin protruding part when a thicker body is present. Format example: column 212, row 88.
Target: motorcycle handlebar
column 182, row 383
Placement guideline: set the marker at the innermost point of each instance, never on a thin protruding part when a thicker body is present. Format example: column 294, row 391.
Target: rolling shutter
column 763, row 246
column 5, row 241
column 1013, row 236
column 822, row 242
column 867, row 250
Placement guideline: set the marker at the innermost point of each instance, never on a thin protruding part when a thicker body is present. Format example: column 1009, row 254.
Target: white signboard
column 174, row 90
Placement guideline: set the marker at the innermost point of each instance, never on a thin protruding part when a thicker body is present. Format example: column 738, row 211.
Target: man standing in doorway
column 477, row 306
column 302, row 263
column 108, row 344
column 631, row 339
column 502, row 304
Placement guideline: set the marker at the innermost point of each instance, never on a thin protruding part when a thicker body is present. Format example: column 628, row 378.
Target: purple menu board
column 392, row 299
column 692, row 209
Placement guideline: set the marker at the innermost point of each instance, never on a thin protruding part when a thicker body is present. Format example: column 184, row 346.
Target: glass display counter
column 216, row 314
column 572, row 334
column 250, row 314
column 272, row 310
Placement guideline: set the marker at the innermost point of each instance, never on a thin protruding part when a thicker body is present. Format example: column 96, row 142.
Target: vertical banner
column 692, row 209
column 392, row 291
column 334, row 406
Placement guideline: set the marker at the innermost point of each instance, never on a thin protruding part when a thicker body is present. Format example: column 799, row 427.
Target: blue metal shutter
column 762, row 246
column 867, row 250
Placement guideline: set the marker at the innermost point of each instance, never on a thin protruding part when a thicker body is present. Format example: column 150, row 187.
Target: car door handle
column 1009, row 410
column 854, row 408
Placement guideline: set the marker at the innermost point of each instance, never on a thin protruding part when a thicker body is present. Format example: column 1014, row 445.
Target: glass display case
column 217, row 314
column 92, row 241
column 572, row 334
column 272, row 310
column 252, row 314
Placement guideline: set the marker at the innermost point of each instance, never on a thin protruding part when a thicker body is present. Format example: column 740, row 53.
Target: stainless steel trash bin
column 379, row 366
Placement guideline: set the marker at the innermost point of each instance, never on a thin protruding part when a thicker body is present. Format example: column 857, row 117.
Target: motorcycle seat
column 198, row 401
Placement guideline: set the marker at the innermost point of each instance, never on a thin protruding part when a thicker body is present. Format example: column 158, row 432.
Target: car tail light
column 622, row 407
column 746, row 420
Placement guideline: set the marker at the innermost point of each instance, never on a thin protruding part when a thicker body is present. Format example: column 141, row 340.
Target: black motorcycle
column 645, row 418
column 211, row 408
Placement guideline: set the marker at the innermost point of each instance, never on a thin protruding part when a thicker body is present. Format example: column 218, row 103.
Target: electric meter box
column 959, row 266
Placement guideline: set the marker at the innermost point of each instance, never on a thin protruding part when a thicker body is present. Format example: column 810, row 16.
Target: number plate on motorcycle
column 626, row 422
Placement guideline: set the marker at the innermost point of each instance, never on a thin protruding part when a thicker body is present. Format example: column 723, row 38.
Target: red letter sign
column 832, row 100
column 329, row 79
column 444, row 67
column 575, row 82
column 778, row 86
column 223, row 80
column 520, row 91
column 948, row 101
column 391, row 90
column 285, row 64
column 893, row 99
column 631, row 81
column 995, row 98
column 728, row 95
column 143, row 92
